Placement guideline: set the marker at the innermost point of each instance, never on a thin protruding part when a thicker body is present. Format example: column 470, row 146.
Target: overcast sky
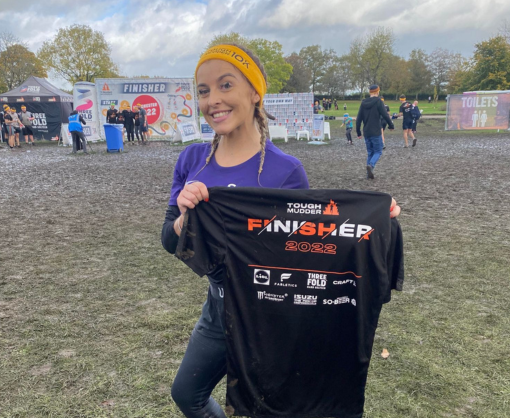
column 165, row 37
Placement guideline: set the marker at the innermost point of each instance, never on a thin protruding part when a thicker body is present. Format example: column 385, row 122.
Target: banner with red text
column 168, row 101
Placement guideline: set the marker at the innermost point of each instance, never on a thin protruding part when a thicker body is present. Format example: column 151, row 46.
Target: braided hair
column 259, row 115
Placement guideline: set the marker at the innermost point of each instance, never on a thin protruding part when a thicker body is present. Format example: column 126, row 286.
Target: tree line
column 79, row 53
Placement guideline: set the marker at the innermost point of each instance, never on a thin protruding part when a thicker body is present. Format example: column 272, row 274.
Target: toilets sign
column 473, row 111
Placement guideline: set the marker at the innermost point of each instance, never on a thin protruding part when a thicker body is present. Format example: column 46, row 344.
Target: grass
column 438, row 108
column 95, row 315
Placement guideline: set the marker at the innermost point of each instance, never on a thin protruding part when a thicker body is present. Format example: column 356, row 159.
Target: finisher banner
column 478, row 110
column 168, row 101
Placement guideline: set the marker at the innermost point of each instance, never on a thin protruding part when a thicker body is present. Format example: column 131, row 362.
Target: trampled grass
column 95, row 315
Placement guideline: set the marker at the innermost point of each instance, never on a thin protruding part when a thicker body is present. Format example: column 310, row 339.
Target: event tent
column 51, row 106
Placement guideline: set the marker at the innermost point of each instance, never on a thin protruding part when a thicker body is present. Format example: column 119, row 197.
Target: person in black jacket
column 129, row 124
column 111, row 114
column 370, row 113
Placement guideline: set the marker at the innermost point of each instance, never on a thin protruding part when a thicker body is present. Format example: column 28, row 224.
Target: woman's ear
column 255, row 97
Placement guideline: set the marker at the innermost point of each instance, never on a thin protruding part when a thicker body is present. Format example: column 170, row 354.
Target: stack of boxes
column 292, row 110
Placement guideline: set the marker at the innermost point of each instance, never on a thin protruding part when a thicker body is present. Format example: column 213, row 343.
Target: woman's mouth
column 220, row 116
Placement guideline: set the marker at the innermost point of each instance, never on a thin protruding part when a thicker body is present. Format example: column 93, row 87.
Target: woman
column 231, row 84
column 9, row 127
column 136, row 117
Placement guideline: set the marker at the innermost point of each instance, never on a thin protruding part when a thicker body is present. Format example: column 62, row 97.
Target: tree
column 370, row 57
column 317, row 61
column 420, row 75
column 270, row 53
column 399, row 77
column 440, row 63
column 335, row 81
column 491, row 65
column 17, row 63
column 301, row 78
column 78, row 53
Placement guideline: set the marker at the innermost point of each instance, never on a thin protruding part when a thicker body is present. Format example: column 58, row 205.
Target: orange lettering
column 254, row 223
column 323, row 228
column 307, row 229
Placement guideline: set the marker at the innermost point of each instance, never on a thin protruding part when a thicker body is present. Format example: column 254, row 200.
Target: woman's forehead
column 211, row 70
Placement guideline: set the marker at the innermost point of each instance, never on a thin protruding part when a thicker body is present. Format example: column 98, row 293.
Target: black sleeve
column 358, row 121
column 169, row 238
column 202, row 244
column 82, row 120
column 385, row 115
column 395, row 261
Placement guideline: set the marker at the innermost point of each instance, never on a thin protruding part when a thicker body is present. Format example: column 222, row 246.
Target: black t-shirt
column 307, row 274
column 405, row 109
column 111, row 115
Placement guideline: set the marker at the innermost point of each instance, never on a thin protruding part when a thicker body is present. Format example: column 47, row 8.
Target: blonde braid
column 260, row 117
column 214, row 146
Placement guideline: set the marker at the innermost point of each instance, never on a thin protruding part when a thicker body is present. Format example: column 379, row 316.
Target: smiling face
column 226, row 98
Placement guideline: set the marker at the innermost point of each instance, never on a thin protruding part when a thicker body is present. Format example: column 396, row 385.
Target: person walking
column 370, row 112
column 76, row 129
column 9, row 127
column 26, row 119
column 383, row 122
column 407, row 122
column 416, row 114
column 348, row 128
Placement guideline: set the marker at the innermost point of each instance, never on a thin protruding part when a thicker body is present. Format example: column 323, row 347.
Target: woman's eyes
column 203, row 92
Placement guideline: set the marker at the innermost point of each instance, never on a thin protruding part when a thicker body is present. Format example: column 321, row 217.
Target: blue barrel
column 114, row 134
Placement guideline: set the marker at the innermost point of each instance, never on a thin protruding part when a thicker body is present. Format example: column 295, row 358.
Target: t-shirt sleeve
column 297, row 179
column 180, row 176
column 401, row 108
column 395, row 260
column 202, row 244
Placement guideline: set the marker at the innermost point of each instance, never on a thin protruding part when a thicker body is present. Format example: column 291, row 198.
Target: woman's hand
column 188, row 198
column 394, row 209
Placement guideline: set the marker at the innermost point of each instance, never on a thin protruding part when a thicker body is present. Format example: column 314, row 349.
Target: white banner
column 206, row 131
column 291, row 110
column 188, row 130
column 318, row 127
column 67, row 138
column 85, row 102
column 168, row 101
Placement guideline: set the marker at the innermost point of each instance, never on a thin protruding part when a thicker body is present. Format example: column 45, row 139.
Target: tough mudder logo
column 312, row 208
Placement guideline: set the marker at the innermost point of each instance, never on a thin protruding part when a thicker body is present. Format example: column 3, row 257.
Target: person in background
column 111, row 114
column 136, row 117
column 26, row 119
column 16, row 123
column 407, row 122
column 345, row 106
column 370, row 113
column 144, row 129
column 416, row 114
column 316, row 107
column 129, row 125
column 76, row 129
column 430, row 99
column 383, row 122
column 9, row 128
column 3, row 129
column 348, row 128
column 335, row 103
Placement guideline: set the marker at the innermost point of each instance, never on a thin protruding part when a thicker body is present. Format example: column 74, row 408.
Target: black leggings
column 203, row 366
column 130, row 133
column 137, row 131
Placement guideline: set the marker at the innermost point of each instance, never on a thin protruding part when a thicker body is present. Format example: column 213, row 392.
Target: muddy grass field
column 95, row 315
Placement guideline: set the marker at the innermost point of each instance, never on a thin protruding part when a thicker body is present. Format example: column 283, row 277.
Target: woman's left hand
column 394, row 209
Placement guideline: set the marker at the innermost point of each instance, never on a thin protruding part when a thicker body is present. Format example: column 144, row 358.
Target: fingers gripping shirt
column 307, row 274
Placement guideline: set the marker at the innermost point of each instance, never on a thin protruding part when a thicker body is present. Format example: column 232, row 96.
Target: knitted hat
column 374, row 88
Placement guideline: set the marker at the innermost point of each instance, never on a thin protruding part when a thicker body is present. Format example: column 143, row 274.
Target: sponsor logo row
column 315, row 281
column 306, row 300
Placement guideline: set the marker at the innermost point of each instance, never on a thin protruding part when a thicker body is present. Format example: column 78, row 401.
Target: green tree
column 78, row 53
column 491, row 65
column 317, row 61
column 335, row 81
column 399, row 77
column 370, row 57
column 420, row 76
column 17, row 63
column 301, row 78
column 270, row 53
column 442, row 64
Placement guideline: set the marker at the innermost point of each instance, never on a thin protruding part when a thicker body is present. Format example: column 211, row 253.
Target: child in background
column 348, row 128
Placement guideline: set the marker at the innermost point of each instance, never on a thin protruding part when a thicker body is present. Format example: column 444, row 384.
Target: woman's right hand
column 188, row 198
